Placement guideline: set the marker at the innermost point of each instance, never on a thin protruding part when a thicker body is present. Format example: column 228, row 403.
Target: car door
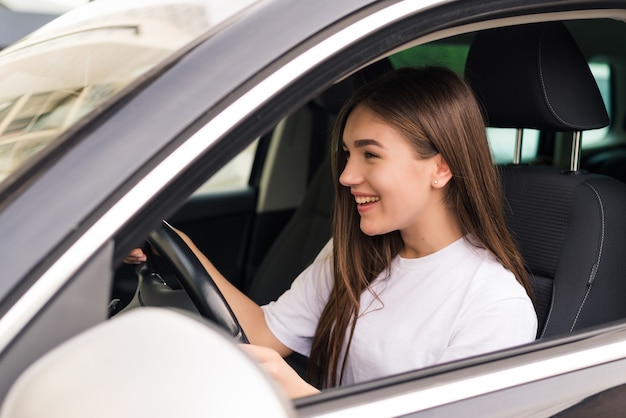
column 540, row 379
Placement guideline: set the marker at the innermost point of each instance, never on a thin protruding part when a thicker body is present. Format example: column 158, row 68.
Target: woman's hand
column 136, row 256
column 292, row 384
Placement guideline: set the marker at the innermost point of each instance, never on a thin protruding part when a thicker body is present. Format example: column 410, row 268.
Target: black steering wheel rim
column 194, row 278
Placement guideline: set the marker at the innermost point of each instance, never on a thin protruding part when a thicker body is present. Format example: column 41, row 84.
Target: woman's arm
column 248, row 313
column 292, row 384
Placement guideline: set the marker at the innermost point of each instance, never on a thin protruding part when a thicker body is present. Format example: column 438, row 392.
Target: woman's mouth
column 362, row 200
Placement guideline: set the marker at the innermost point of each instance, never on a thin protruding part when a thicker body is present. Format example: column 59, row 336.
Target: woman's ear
column 442, row 173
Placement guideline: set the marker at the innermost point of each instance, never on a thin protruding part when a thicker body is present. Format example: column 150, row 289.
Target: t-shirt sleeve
column 294, row 316
column 496, row 325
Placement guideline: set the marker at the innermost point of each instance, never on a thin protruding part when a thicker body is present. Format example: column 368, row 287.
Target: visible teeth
column 366, row 199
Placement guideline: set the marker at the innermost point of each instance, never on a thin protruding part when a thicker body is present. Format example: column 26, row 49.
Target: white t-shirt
column 455, row 303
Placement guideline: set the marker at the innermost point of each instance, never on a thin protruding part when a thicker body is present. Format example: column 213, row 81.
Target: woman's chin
column 372, row 230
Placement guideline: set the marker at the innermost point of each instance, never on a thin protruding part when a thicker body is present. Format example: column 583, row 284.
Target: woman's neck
column 430, row 236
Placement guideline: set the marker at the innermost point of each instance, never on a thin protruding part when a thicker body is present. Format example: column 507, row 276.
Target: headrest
column 534, row 76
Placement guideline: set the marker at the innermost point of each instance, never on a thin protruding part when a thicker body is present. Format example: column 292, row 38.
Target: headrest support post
column 517, row 157
column 575, row 156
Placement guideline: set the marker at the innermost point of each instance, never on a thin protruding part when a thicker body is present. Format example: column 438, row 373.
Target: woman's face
column 392, row 187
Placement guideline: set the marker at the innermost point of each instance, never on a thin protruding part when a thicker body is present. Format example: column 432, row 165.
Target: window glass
column 52, row 78
column 235, row 175
column 449, row 55
column 502, row 144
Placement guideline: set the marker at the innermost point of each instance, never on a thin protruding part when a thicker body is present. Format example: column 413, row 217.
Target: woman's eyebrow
column 360, row 143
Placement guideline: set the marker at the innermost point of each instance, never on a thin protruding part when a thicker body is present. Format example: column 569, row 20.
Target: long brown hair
column 436, row 111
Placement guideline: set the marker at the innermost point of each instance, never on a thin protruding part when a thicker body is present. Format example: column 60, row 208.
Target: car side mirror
column 148, row 362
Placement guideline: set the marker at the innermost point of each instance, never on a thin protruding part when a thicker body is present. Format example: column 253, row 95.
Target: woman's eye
column 368, row 154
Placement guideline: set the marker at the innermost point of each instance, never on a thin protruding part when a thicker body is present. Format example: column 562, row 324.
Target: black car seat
column 309, row 228
column 569, row 225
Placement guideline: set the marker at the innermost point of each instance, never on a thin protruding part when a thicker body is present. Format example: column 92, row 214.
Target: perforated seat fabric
column 569, row 225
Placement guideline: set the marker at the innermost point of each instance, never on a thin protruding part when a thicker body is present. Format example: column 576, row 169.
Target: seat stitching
column 543, row 87
column 597, row 264
column 545, row 325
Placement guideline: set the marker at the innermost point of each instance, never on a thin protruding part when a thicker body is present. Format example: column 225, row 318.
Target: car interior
column 541, row 97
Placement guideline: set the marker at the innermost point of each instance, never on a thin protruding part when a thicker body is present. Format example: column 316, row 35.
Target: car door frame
column 154, row 187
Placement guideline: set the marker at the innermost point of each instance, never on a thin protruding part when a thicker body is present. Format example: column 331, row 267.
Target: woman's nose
column 350, row 175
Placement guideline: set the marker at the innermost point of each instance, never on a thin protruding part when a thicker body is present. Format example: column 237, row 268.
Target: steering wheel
column 194, row 278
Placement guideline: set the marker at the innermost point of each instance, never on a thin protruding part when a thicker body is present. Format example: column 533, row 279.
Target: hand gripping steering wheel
column 194, row 278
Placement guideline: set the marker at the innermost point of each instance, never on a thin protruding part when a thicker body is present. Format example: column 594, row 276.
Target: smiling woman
column 415, row 153
column 417, row 194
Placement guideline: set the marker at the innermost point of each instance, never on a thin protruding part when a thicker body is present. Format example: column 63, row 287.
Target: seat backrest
column 569, row 225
